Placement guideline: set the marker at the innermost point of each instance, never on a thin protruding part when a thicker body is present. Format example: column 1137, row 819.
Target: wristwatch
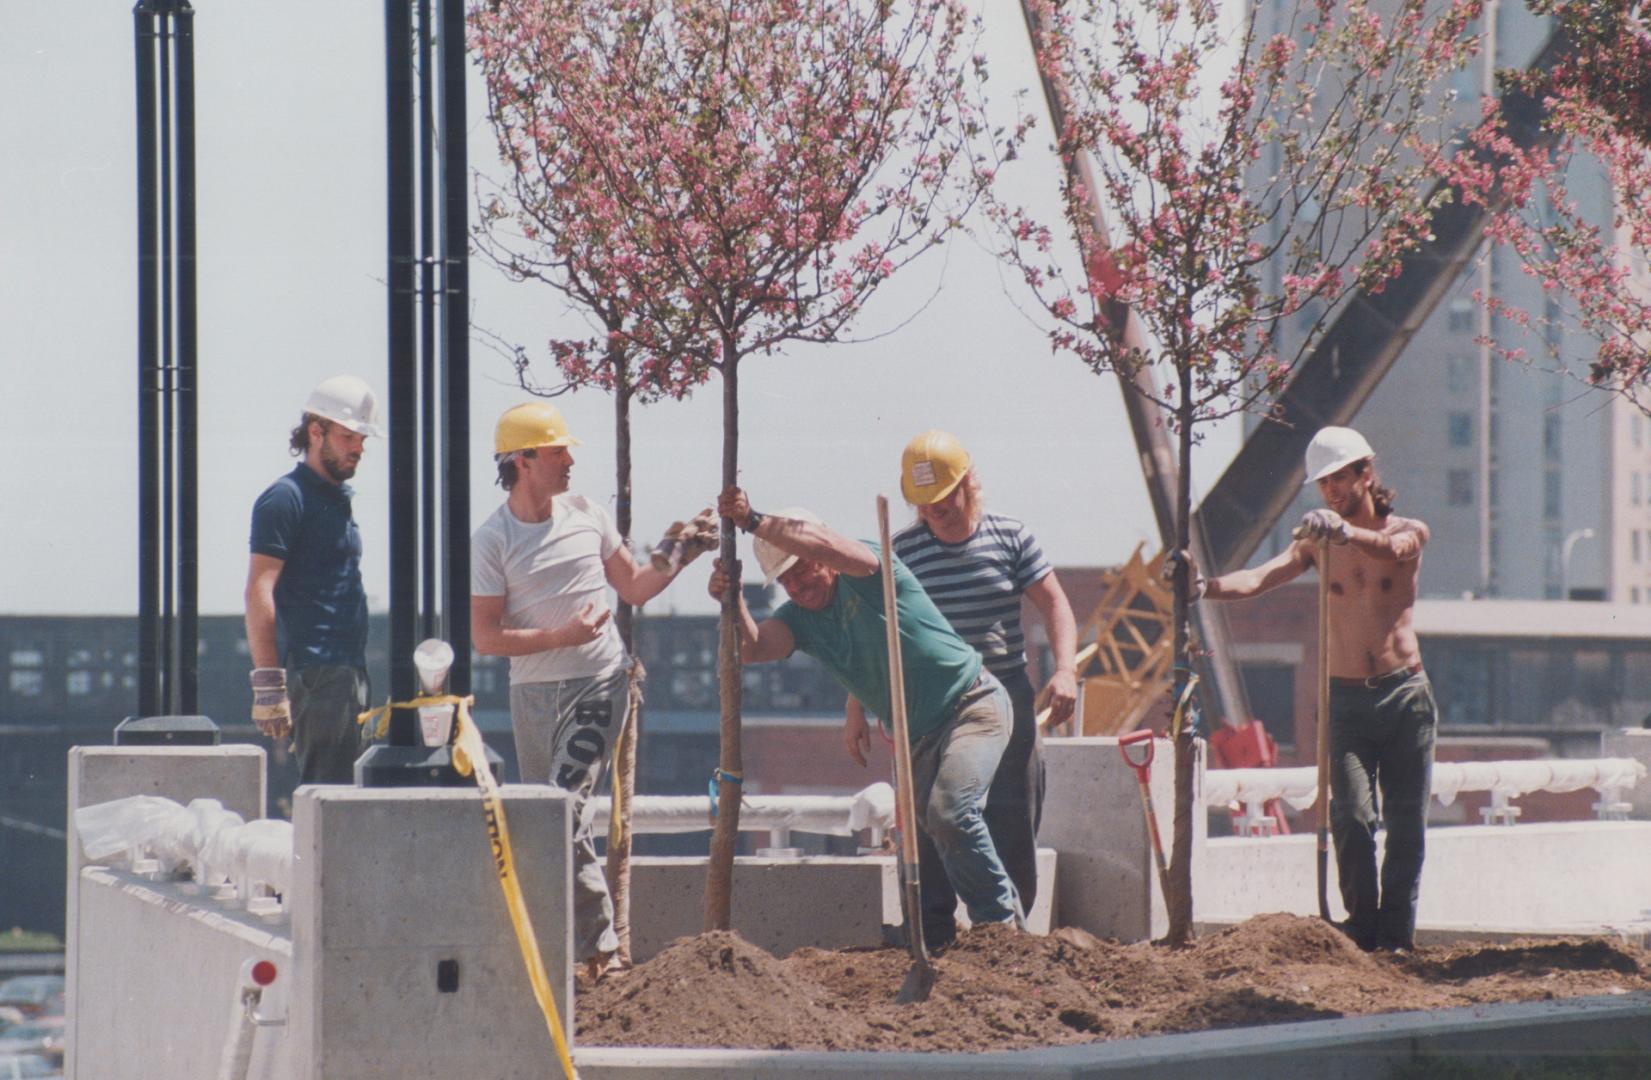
column 752, row 520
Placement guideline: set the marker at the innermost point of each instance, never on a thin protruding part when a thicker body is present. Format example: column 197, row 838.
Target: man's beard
column 336, row 467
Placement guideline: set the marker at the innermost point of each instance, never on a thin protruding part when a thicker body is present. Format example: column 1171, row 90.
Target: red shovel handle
column 1143, row 739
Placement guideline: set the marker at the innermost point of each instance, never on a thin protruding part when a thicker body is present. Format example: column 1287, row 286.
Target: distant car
column 27, row 1067
column 35, row 1037
column 31, row 993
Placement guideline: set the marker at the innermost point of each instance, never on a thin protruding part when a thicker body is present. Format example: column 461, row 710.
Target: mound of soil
column 1002, row 990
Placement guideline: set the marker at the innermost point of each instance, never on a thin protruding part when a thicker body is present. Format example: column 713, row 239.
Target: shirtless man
column 1382, row 713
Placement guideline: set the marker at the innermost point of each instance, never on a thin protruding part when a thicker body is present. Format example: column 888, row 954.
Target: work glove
column 1324, row 524
column 271, row 709
column 1195, row 581
column 685, row 541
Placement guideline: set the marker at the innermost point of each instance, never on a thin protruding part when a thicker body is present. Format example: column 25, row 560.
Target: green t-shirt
column 848, row 637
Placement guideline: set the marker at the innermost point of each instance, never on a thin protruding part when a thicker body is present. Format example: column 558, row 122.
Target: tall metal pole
column 428, row 369
column 167, row 385
column 455, row 330
column 168, row 522
column 188, row 595
column 403, row 378
column 149, row 552
column 428, row 348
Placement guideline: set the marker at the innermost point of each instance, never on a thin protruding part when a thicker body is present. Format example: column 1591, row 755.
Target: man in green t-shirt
column 958, row 714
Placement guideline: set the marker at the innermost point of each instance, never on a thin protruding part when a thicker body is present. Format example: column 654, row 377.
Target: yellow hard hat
column 523, row 427
column 934, row 463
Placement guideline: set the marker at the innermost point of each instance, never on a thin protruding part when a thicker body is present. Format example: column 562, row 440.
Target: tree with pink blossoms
column 1254, row 176
column 521, row 232
column 1594, row 103
column 739, row 174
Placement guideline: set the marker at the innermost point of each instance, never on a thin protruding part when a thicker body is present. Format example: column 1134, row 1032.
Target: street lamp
column 1565, row 559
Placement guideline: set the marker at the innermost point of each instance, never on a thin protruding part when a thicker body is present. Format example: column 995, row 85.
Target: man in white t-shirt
column 540, row 570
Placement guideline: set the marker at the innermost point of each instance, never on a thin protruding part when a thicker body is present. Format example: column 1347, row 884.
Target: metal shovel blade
column 919, row 981
column 920, row 976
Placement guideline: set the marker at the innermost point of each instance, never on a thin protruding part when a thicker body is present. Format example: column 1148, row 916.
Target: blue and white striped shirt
column 977, row 584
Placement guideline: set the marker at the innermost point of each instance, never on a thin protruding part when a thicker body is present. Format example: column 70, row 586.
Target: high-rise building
column 1534, row 484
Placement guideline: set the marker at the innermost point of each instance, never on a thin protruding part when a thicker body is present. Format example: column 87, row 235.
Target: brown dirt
column 1002, row 990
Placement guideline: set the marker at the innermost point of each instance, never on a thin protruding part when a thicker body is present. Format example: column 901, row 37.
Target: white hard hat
column 1333, row 448
column 773, row 560
column 346, row 400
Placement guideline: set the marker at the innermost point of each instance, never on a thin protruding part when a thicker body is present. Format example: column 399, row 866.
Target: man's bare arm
column 635, row 584
column 1049, row 598
column 804, row 539
column 493, row 638
column 1401, row 541
column 1287, row 565
column 759, row 642
column 262, row 574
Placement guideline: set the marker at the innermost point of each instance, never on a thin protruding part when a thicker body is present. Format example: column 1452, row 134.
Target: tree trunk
column 1179, row 900
column 719, row 877
column 624, row 761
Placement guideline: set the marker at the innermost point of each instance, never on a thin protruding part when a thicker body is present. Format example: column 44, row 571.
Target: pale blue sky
column 291, row 246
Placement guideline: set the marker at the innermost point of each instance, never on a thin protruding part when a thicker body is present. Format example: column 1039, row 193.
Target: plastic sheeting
column 212, row 844
column 833, row 815
column 1509, row 779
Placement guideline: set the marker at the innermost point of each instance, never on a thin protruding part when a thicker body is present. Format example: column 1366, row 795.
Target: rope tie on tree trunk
column 1186, row 707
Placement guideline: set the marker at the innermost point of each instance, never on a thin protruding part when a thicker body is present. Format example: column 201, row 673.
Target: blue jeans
column 325, row 736
column 564, row 734
column 952, row 770
column 1014, row 809
column 1381, row 740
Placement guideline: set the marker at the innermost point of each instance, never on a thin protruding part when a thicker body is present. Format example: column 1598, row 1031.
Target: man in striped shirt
column 976, row 566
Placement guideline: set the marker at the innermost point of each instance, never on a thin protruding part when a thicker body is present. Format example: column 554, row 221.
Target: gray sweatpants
column 564, row 733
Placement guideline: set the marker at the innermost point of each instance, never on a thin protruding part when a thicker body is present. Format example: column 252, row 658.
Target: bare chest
column 1364, row 579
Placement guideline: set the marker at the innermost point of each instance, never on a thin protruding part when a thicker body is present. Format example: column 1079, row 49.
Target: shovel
column 1143, row 776
column 1324, row 731
column 1321, row 552
column 920, row 978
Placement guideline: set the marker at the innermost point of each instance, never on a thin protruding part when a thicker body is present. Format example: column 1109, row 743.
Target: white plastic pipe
column 1504, row 779
column 833, row 815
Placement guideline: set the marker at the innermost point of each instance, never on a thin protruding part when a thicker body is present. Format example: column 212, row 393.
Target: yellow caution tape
column 470, row 758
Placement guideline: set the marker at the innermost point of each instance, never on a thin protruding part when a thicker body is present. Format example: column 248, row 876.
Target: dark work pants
column 325, row 736
column 1381, row 740
column 1014, row 809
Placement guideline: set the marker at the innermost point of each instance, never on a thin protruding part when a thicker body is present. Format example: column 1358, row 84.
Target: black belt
column 1376, row 680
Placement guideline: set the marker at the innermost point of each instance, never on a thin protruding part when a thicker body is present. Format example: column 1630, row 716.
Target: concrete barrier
column 1358, row 1048
column 159, row 969
column 406, row 963
column 781, row 905
column 399, row 958
column 1106, row 881
column 1548, row 877
column 234, row 775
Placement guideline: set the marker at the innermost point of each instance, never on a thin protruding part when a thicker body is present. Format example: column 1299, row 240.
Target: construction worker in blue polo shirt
column 306, row 610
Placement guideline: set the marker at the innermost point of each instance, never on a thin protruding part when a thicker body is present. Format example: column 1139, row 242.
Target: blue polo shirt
column 320, row 605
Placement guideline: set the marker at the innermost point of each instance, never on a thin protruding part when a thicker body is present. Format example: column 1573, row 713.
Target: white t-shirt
column 547, row 571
